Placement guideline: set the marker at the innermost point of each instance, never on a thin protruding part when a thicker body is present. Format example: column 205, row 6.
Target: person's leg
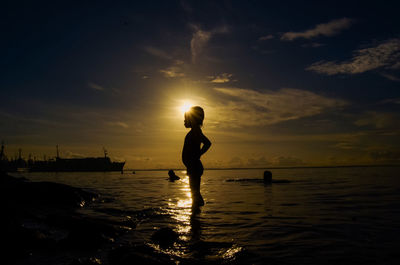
column 194, row 182
column 195, row 174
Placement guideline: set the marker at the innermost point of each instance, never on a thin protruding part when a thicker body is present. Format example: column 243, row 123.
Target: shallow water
column 327, row 215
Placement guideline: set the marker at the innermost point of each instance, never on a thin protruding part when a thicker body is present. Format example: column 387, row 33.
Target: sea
column 347, row 215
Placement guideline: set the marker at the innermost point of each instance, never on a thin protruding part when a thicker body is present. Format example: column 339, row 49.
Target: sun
column 186, row 105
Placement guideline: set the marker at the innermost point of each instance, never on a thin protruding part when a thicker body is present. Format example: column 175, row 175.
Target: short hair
column 196, row 114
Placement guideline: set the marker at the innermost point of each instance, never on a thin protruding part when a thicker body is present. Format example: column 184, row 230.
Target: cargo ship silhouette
column 75, row 164
column 59, row 164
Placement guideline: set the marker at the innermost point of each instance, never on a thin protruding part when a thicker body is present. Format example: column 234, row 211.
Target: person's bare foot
column 198, row 200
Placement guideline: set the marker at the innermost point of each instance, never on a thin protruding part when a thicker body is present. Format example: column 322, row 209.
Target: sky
column 282, row 83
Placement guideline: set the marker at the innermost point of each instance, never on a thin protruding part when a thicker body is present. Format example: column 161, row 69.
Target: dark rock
column 17, row 241
column 139, row 254
column 82, row 223
column 165, row 236
column 86, row 261
column 85, row 232
column 88, row 240
column 128, row 223
column 41, row 217
column 19, row 191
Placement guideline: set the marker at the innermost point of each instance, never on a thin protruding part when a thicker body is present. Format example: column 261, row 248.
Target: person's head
column 267, row 177
column 194, row 117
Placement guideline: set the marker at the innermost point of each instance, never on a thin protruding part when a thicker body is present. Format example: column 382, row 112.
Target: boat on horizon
column 76, row 164
column 59, row 164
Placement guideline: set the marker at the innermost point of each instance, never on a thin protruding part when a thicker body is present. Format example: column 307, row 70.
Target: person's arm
column 206, row 144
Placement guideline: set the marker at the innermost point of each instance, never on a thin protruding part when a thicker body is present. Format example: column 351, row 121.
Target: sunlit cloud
column 172, row 72
column 261, row 50
column 345, row 145
column 118, row 124
column 222, row 78
column 329, row 29
column 96, row 86
column 175, row 70
column 390, row 100
column 141, row 158
column 262, row 161
column 287, row 161
column 70, row 154
column 267, row 37
column 391, row 77
column 385, row 155
column 379, row 120
column 312, row 45
column 245, row 107
column 157, row 52
column 200, row 39
column 386, row 54
column 63, row 124
column 395, row 66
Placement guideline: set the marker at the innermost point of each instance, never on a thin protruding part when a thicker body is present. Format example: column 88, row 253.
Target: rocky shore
column 40, row 224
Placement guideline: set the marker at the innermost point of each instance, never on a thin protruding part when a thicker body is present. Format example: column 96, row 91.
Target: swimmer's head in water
column 267, row 176
column 194, row 116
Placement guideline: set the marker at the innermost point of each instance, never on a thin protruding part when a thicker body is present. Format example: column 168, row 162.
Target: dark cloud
column 246, row 107
column 385, row 156
column 329, row 29
column 386, row 54
column 267, row 37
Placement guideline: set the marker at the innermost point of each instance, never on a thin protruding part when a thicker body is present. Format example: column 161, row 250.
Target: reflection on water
column 184, row 213
column 180, row 209
column 188, row 219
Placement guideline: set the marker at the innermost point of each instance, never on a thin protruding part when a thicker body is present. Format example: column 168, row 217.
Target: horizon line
column 287, row 167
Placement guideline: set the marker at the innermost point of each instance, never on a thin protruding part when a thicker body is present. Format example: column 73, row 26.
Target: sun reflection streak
column 186, row 181
column 181, row 210
column 185, row 220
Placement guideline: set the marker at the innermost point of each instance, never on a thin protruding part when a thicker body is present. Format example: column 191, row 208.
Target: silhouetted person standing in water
column 192, row 151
